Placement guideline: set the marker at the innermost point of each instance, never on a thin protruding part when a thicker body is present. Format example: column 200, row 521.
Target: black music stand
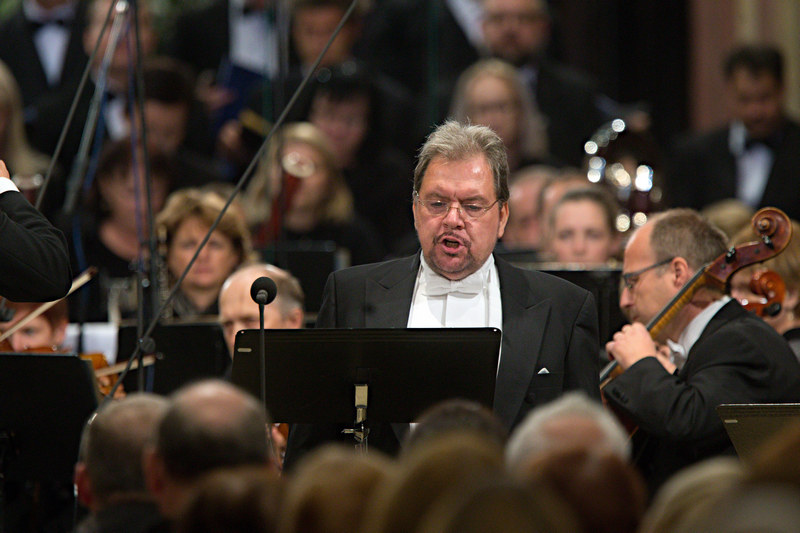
column 751, row 425
column 184, row 353
column 395, row 374
column 45, row 399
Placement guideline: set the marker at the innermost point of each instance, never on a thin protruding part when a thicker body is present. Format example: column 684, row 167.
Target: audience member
column 691, row 493
column 109, row 477
column 182, row 225
column 731, row 215
column 551, row 192
column 784, row 315
column 491, row 93
column 425, row 474
column 208, row 425
column 238, row 311
column 582, row 227
column 607, row 493
column 754, row 158
column 245, row 499
column 455, row 415
column 299, row 194
column 331, row 490
column 719, row 353
column 518, row 31
column 572, row 421
column 524, row 230
column 110, row 231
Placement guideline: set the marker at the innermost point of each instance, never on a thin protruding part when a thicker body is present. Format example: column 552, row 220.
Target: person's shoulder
column 701, row 141
column 544, row 285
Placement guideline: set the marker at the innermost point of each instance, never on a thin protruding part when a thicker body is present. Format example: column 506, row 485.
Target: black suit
column 737, row 359
column 34, row 265
column 18, row 51
column 703, row 171
column 202, row 36
column 547, row 323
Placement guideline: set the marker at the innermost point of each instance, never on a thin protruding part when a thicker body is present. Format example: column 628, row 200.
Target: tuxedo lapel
column 524, row 323
column 388, row 297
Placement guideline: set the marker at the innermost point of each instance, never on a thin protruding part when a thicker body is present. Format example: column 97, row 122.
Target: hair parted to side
column 454, row 141
column 591, row 193
column 686, row 233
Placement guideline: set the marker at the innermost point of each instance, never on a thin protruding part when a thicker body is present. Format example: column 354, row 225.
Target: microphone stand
column 239, row 185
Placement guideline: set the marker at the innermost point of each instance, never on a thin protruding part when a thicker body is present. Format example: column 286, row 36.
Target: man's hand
column 4, row 173
column 630, row 344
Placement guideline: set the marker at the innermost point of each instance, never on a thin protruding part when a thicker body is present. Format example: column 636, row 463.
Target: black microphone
column 263, row 290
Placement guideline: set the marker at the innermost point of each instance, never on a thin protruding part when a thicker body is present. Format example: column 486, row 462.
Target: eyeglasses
column 630, row 279
column 439, row 208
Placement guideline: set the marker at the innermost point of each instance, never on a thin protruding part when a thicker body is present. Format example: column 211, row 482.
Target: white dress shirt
column 52, row 39
column 690, row 334
column 753, row 165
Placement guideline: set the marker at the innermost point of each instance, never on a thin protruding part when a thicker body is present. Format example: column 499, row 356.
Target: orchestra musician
column 719, row 353
column 47, row 331
column 460, row 207
column 34, row 265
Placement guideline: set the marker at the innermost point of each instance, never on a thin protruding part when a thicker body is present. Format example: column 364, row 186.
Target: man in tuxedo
column 460, row 206
column 756, row 157
column 715, row 351
column 34, row 264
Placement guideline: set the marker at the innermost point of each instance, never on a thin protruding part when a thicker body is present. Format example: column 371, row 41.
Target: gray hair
column 531, row 437
column 454, row 141
column 686, row 233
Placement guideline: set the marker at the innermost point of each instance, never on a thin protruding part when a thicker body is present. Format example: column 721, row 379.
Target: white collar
column 436, row 285
column 694, row 329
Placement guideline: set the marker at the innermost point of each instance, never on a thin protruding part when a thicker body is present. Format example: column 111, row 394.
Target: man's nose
column 454, row 216
column 625, row 297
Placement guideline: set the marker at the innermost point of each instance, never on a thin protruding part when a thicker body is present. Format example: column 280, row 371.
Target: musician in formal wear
column 460, row 206
column 34, row 265
column 48, row 330
column 719, row 353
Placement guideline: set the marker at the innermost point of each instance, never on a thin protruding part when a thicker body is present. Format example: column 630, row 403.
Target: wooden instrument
column 770, row 286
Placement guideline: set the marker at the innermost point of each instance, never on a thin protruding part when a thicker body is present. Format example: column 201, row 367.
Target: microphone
column 263, row 290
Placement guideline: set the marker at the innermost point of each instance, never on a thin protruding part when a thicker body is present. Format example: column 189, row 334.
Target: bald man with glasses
column 715, row 351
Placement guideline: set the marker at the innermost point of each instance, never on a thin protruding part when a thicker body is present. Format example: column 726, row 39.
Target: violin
column 775, row 231
column 770, row 286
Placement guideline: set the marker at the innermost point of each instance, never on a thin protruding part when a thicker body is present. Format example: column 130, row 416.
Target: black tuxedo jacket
column 547, row 324
column 703, row 171
column 737, row 359
column 34, row 264
column 202, row 36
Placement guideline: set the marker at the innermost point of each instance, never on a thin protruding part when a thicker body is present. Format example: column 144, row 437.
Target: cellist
column 718, row 352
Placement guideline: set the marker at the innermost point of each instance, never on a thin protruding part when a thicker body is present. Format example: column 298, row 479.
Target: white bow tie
column 435, row 285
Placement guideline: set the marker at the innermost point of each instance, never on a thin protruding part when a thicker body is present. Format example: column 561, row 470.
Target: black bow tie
column 36, row 25
column 772, row 142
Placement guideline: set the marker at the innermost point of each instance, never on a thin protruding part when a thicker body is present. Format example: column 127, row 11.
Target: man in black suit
column 755, row 158
column 34, row 264
column 460, row 210
column 41, row 44
column 518, row 31
column 717, row 352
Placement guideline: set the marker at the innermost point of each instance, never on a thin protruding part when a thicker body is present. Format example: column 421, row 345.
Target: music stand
column 184, row 353
column 311, row 375
column 750, row 425
column 45, row 399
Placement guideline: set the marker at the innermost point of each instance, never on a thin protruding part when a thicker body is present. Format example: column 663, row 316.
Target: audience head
column 517, row 31
column 607, row 493
column 490, row 93
column 571, row 421
column 238, row 311
column 455, row 415
column 754, row 74
column 582, row 227
column 468, row 165
column 787, row 265
column 426, row 474
column 691, row 493
column 524, row 229
column 109, row 469
column 208, row 425
column 730, row 215
column 48, row 330
column 554, row 188
column 246, row 499
column 661, row 257
column 330, row 490
column 182, row 225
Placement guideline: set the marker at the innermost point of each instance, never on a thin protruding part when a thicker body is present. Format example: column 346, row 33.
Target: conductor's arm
column 34, row 263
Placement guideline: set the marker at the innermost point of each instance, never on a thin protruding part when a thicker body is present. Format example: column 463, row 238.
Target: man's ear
column 681, row 273
column 294, row 319
column 83, row 485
